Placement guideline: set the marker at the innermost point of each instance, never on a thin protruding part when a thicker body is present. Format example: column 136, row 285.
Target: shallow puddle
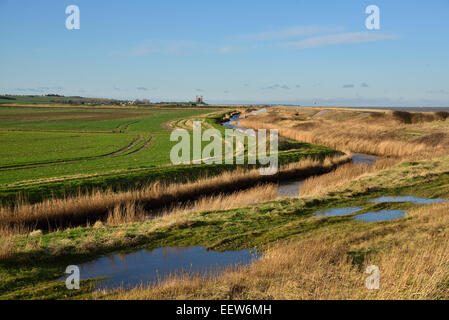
column 363, row 158
column 383, row 215
column 413, row 199
column 337, row 212
column 145, row 266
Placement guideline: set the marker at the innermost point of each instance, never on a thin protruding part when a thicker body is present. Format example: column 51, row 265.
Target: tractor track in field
column 118, row 129
column 117, row 152
column 122, row 128
column 145, row 145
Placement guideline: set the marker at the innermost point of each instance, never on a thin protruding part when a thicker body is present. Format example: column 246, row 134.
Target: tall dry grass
column 130, row 212
column 237, row 199
column 335, row 135
column 319, row 185
column 412, row 256
column 125, row 213
column 84, row 208
column 175, row 216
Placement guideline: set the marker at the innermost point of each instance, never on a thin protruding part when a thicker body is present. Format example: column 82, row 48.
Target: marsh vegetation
column 305, row 256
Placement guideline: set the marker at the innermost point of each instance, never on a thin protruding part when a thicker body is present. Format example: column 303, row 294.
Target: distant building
column 199, row 100
column 141, row 102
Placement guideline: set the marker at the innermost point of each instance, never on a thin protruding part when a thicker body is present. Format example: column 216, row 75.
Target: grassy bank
column 261, row 226
column 326, row 258
column 81, row 209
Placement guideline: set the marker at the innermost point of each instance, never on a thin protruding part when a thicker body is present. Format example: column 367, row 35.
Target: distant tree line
column 7, row 98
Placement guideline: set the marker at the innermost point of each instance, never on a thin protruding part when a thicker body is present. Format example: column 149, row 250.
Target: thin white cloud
column 175, row 47
column 150, row 47
column 290, row 32
column 340, row 38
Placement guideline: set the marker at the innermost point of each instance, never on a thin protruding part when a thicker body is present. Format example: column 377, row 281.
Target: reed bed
column 379, row 133
column 261, row 193
column 321, row 267
column 130, row 212
column 320, row 185
column 88, row 208
column 337, row 136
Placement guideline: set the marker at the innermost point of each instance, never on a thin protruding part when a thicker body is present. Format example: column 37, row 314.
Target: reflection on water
column 146, row 266
column 363, row 158
column 383, row 215
column 413, row 199
column 234, row 118
column 290, row 189
column 337, row 212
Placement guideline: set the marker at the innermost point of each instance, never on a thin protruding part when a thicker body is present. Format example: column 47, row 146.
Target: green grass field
column 40, row 144
column 57, row 151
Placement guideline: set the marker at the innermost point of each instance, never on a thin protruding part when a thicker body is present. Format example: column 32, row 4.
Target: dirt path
column 319, row 114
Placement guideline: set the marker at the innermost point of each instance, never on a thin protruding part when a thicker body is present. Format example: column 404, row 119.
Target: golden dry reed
column 84, row 208
column 380, row 135
column 130, row 212
column 320, row 185
column 320, row 267
column 237, row 199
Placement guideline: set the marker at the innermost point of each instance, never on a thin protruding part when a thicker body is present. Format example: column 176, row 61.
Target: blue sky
column 294, row 52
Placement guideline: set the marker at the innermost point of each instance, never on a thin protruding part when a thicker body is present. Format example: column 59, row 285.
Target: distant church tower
column 199, row 100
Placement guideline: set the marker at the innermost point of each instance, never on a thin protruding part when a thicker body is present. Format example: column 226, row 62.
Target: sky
column 271, row 52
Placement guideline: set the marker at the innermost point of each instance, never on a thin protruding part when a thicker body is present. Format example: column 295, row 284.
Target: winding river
column 146, row 266
column 291, row 188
